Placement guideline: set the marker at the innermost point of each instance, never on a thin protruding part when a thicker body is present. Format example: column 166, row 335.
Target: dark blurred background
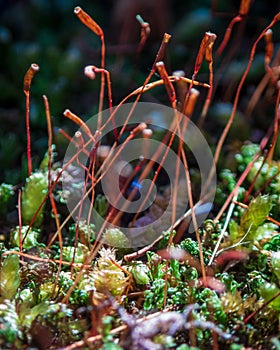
column 49, row 34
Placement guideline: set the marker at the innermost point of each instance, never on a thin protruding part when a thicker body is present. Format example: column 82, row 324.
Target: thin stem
column 145, row 32
column 253, row 314
column 144, row 250
column 193, row 95
column 93, row 26
column 26, row 88
column 46, row 260
column 228, row 34
column 205, row 51
column 29, row 160
column 102, row 86
column 236, row 99
column 275, row 126
column 50, row 193
column 243, row 12
column 248, row 192
column 208, row 98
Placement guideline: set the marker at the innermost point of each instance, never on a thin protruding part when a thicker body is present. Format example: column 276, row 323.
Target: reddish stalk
column 50, row 193
column 138, row 92
column 81, row 145
column 34, row 68
column 55, row 181
column 150, row 164
column 181, row 89
column 144, row 250
column 88, row 176
column 98, row 244
column 49, row 127
column 266, row 184
column 241, row 180
column 77, row 120
column 173, row 99
column 170, row 135
column 167, row 83
column 144, row 88
column 243, row 11
column 149, row 167
column 260, row 88
column 275, row 126
column 79, row 142
column 95, row 246
column 102, row 86
column 147, row 134
column 209, row 60
column 236, row 187
column 269, row 155
column 90, row 72
column 92, row 175
column 243, row 176
column 67, row 136
column 189, row 108
column 118, row 215
column 269, row 218
column 159, row 57
column 228, row 34
column 172, row 94
column 72, row 140
column 93, row 26
column 269, row 48
column 145, row 33
column 248, row 192
column 253, row 314
column 239, row 88
column 128, row 181
column 205, row 51
column 46, row 260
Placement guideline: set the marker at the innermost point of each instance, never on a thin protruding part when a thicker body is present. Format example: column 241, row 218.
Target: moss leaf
column 255, row 214
column 9, row 277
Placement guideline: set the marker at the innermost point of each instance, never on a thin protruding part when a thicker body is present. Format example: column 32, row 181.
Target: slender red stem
column 246, row 196
column 253, row 314
column 102, row 86
column 26, row 88
column 275, row 126
column 228, row 34
column 236, row 99
column 27, row 120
